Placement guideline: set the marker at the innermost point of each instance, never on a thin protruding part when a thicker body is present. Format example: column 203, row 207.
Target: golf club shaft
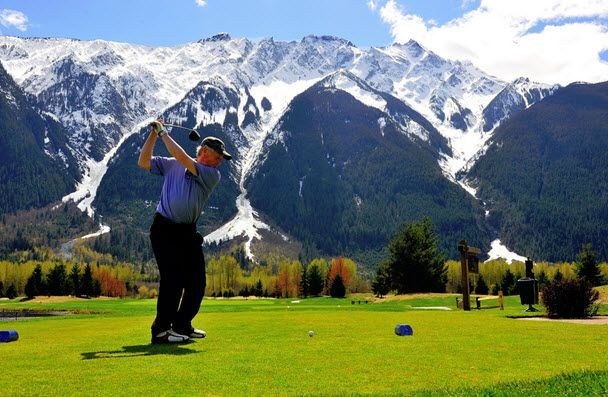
column 178, row 126
column 193, row 136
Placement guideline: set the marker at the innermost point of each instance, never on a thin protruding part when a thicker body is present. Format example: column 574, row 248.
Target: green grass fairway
column 262, row 347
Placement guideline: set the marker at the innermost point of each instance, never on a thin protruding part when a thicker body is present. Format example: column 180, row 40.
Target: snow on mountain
column 101, row 91
column 500, row 251
column 87, row 187
column 516, row 96
column 344, row 82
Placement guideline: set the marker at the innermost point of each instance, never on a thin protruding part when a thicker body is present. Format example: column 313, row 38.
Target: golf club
column 193, row 136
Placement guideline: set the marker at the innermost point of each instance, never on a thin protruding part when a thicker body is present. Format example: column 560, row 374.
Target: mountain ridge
column 263, row 77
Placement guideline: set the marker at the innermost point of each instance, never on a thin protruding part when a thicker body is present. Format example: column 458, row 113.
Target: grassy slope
column 261, row 347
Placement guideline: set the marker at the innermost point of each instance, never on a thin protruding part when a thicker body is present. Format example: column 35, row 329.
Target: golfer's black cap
column 217, row 145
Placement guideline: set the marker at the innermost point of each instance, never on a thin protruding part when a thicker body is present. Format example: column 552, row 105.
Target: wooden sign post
column 466, row 254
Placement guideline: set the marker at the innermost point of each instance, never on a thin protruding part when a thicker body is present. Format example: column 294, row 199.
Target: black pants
column 179, row 256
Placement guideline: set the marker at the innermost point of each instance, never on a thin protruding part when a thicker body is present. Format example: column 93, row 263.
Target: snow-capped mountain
column 99, row 88
column 104, row 92
column 515, row 97
column 347, row 163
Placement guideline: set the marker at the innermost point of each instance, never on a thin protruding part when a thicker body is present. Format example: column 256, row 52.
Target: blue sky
column 552, row 41
column 173, row 22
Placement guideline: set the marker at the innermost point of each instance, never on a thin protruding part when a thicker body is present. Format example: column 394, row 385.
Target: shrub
column 145, row 292
column 142, row 292
column 508, row 284
column 481, row 287
column 570, row 299
column 11, row 292
column 587, row 266
column 382, row 283
column 337, row 288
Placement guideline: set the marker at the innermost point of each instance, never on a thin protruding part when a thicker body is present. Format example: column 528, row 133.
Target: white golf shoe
column 169, row 336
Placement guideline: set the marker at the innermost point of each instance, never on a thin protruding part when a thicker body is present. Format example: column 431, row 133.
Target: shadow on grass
column 140, row 350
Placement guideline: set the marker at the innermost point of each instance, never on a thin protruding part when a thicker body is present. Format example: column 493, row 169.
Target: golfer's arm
column 179, row 154
column 146, row 152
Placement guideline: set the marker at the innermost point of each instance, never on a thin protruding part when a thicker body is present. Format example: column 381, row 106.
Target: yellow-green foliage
column 604, row 271
column 17, row 274
column 322, row 265
column 454, row 275
column 144, row 292
column 494, row 270
column 279, row 275
column 223, row 274
column 262, row 274
column 289, row 278
column 84, row 254
column 568, row 270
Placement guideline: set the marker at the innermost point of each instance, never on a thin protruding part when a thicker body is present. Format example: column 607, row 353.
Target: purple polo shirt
column 183, row 195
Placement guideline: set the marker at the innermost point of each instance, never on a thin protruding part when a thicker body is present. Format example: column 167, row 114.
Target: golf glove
column 158, row 128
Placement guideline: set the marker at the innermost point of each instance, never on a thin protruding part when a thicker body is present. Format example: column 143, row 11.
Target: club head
column 194, row 136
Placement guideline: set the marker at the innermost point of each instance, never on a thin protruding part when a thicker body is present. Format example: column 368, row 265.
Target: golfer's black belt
column 183, row 227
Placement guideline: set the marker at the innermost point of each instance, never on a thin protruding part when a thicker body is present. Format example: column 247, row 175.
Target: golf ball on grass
column 311, row 333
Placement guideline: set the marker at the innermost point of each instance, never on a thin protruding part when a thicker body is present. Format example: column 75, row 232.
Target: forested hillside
column 33, row 172
column 545, row 175
column 340, row 181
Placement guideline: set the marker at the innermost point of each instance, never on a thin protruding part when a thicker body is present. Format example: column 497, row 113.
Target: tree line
column 284, row 278
column 414, row 264
column 417, row 265
column 93, row 274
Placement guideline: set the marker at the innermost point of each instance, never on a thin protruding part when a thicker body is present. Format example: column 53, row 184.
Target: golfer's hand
column 158, row 127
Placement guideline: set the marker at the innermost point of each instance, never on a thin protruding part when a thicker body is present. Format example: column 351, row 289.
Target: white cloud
column 13, row 18
column 201, row 3
column 372, row 4
column 552, row 41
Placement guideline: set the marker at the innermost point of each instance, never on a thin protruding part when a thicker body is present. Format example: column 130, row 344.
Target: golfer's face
column 210, row 157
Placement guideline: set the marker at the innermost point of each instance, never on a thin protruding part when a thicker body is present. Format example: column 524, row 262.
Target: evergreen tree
column 587, row 266
column 87, row 283
column 315, row 280
column 11, row 292
column 382, row 283
column 245, row 292
column 97, row 288
column 30, row 291
column 57, row 282
column 508, row 283
column 481, row 287
column 303, row 289
column 542, row 280
column 35, row 285
column 558, row 276
column 241, row 257
column 416, row 265
column 258, row 289
column 75, row 280
column 337, row 288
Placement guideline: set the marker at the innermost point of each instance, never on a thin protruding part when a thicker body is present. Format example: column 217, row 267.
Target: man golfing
column 188, row 183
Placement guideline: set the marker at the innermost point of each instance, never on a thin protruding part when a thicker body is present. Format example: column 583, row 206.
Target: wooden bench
column 479, row 300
